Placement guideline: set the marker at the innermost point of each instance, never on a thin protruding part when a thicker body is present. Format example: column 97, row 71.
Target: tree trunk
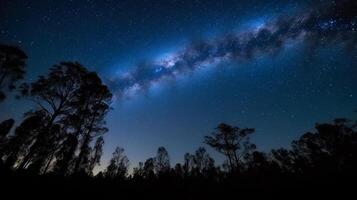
column 82, row 153
column 49, row 162
column 37, row 143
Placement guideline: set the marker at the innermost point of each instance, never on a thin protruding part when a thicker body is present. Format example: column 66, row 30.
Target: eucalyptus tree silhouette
column 331, row 149
column 189, row 163
column 285, row 159
column 233, row 142
column 149, row 168
column 65, row 154
column 203, row 161
column 53, row 95
column 12, row 68
column 5, row 128
column 18, row 144
column 118, row 165
column 74, row 102
column 92, row 104
column 138, row 172
column 96, row 154
column 162, row 161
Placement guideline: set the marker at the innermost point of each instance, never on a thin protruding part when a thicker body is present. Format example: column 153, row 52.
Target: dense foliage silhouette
column 58, row 144
column 12, row 68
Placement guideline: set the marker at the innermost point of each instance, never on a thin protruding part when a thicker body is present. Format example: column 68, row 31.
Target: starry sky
column 177, row 68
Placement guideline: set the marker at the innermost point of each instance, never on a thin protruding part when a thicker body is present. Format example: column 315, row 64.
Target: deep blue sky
column 282, row 94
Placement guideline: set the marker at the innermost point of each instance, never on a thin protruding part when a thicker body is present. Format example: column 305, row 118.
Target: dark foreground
column 287, row 187
column 319, row 164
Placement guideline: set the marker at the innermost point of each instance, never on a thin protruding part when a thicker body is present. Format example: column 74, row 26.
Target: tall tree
column 284, row 159
column 118, row 164
column 54, row 95
column 60, row 95
column 92, row 104
column 5, row 128
column 43, row 157
column 149, row 168
column 162, row 161
column 231, row 141
column 75, row 102
column 25, row 134
column 138, row 172
column 189, row 163
column 330, row 149
column 12, row 68
column 96, row 153
column 257, row 163
column 203, row 161
column 65, row 155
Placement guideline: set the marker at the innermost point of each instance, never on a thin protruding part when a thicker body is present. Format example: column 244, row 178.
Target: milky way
column 327, row 23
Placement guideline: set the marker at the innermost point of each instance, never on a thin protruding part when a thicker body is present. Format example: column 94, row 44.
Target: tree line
column 62, row 136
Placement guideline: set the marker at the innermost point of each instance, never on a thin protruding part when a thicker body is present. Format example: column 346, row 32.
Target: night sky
column 178, row 68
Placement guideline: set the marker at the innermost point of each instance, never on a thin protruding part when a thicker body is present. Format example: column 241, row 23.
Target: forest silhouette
column 60, row 141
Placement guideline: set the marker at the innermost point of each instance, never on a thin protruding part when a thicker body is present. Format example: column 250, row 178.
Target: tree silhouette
column 118, row 164
column 75, row 102
column 284, row 159
column 149, row 168
column 189, row 163
column 12, row 68
column 178, row 171
column 42, row 159
column 203, row 161
column 64, row 156
column 162, row 161
column 258, row 163
column 54, row 95
column 331, row 149
column 96, row 154
column 25, row 134
column 5, row 128
column 92, row 106
column 138, row 172
column 233, row 142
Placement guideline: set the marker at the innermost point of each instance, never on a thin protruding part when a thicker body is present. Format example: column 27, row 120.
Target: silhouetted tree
column 331, row 149
column 65, row 155
column 179, row 171
column 92, row 106
column 82, row 162
column 162, row 161
column 42, row 163
column 118, row 164
column 189, row 163
column 203, row 161
column 75, row 102
column 25, row 135
column 284, row 159
column 149, row 167
column 258, row 164
column 96, row 153
column 54, row 95
column 12, row 68
column 233, row 142
column 5, row 128
column 138, row 172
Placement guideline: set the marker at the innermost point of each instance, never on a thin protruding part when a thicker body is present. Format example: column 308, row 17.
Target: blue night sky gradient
column 282, row 95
